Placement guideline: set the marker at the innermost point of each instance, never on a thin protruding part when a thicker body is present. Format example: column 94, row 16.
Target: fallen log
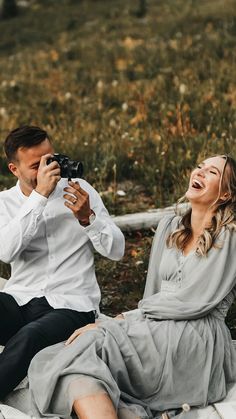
column 147, row 220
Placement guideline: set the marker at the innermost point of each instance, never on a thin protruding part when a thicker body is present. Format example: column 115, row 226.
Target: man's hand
column 48, row 176
column 77, row 199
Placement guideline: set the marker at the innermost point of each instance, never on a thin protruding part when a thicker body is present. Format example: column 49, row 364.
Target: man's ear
column 13, row 168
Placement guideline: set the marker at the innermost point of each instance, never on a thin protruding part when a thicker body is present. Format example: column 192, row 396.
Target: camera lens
column 69, row 168
column 75, row 168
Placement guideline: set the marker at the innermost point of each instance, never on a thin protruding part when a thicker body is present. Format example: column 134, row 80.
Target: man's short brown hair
column 26, row 136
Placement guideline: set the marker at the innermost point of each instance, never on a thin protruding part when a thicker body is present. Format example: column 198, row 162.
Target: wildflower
column 178, row 35
column 182, row 88
column 125, row 135
column 124, row 107
column 121, row 64
column 23, row 3
column 68, row 95
column 112, row 123
column 131, row 43
column 54, row 55
column 139, row 262
column 173, row 44
column 100, row 85
column 121, row 193
column 3, row 112
column 114, row 83
column 85, row 143
column 12, row 83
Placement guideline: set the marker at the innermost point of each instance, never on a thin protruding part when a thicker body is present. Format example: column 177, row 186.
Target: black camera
column 69, row 168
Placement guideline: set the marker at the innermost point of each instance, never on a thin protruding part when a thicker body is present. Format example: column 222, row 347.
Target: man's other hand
column 77, row 199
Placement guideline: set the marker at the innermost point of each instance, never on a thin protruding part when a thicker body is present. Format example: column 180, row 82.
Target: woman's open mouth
column 197, row 184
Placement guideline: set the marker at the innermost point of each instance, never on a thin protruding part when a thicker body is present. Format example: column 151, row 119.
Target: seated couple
column 174, row 348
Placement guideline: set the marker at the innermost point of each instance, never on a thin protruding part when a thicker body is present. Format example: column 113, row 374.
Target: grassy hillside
column 139, row 100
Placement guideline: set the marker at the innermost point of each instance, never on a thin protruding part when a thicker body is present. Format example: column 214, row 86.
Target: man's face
column 25, row 168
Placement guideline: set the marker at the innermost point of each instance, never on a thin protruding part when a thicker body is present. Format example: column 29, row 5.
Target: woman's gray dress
column 174, row 349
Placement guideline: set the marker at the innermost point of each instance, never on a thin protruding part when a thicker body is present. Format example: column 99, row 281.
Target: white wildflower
column 100, row 85
column 124, row 107
column 112, row 123
column 182, row 88
column 68, row 95
column 23, row 3
column 125, row 135
column 121, row 193
column 3, row 112
column 139, row 262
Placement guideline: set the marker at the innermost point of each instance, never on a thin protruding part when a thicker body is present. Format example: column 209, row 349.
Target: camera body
column 69, row 168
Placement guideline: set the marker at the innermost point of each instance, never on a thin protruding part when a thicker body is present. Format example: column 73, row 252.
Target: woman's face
column 205, row 181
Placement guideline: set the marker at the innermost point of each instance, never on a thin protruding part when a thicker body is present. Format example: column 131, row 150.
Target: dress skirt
column 157, row 365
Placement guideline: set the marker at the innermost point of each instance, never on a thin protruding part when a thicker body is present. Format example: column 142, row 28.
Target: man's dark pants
column 25, row 330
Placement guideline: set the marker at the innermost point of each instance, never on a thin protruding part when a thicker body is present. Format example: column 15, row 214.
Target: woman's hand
column 80, row 331
column 89, row 326
column 119, row 317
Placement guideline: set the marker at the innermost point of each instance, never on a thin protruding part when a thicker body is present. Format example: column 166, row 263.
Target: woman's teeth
column 197, row 184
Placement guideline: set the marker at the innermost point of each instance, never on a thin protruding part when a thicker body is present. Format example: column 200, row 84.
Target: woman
column 175, row 348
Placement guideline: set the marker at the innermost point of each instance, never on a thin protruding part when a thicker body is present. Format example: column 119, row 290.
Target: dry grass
column 138, row 100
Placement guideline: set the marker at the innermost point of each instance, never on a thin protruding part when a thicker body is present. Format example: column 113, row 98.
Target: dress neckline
column 191, row 252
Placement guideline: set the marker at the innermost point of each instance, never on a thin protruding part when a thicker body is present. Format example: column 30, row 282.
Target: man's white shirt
column 50, row 253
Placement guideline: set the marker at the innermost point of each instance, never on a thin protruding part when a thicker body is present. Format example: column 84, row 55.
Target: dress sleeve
column 153, row 283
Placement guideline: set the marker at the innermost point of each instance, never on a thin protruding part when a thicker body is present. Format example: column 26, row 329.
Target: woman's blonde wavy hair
column 224, row 216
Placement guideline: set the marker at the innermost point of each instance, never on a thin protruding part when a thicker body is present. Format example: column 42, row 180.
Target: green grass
column 140, row 101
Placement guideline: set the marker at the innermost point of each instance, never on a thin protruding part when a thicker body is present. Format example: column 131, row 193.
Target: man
column 49, row 228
